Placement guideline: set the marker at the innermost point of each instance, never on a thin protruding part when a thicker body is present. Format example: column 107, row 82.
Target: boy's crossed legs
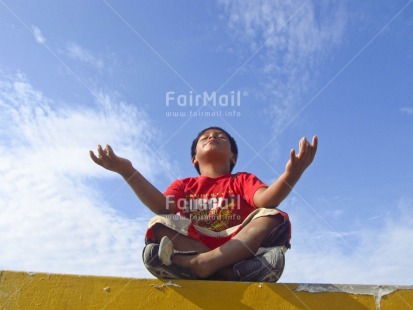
column 220, row 260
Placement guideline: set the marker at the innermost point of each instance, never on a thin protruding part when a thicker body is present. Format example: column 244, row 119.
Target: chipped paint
column 169, row 283
column 376, row 291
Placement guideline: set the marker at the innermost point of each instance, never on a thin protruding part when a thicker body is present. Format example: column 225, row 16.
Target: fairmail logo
column 191, row 99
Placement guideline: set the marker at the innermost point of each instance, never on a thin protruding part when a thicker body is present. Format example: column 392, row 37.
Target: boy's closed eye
column 221, row 136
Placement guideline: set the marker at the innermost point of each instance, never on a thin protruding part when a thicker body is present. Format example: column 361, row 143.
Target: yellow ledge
column 22, row 290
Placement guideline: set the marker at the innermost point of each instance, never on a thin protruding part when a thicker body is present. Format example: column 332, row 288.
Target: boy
column 218, row 225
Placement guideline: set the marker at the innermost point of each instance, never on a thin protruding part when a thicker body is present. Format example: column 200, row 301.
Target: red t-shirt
column 215, row 203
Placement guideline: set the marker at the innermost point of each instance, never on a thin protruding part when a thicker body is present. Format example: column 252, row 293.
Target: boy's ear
column 194, row 160
column 234, row 158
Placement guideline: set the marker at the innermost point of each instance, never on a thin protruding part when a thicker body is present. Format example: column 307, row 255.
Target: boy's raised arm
column 146, row 192
column 272, row 196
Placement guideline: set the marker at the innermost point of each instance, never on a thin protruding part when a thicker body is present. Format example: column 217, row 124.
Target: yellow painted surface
column 21, row 290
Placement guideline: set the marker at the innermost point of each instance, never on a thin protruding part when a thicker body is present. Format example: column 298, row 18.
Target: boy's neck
column 212, row 171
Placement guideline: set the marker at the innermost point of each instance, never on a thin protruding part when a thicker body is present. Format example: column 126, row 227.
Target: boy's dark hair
column 234, row 147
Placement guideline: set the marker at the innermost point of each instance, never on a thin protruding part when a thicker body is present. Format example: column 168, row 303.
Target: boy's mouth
column 211, row 141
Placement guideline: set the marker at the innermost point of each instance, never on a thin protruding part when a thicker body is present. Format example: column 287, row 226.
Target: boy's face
column 215, row 143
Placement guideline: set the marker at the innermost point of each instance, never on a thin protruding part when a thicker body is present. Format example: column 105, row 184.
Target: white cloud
column 77, row 52
column 38, row 35
column 52, row 218
column 373, row 255
column 290, row 39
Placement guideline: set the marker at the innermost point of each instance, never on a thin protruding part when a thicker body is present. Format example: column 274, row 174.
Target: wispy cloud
column 291, row 39
column 53, row 217
column 407, row 110
column 38, row 36
column 77, row 52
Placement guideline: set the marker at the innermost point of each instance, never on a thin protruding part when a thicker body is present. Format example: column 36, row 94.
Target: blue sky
column 75, row 74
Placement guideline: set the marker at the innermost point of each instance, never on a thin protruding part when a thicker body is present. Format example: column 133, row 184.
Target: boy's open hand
column 108, row 160
column 298, row 163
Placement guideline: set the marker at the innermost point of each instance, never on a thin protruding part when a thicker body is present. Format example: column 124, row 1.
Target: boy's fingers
column 314, row 141
column 292, row 155
column 314, row 145
column 100, row 151
column 94, row 158
column 306, row 144
column 110, row 152
column 303, row 147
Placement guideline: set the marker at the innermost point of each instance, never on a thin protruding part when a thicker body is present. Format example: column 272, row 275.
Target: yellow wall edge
column 22, row 290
